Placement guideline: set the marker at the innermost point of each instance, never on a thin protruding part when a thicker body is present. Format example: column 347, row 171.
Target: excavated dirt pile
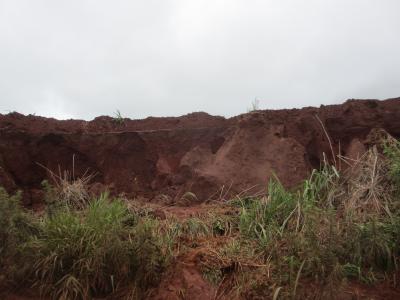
column 161, row 159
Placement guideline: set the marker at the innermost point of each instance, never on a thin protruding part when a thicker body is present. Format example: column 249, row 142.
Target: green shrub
column 318, row 188
column 378, row 244
column 311, row 232
column 94, row 252
column 16, row 225
column 392, row 152
column 260, row 218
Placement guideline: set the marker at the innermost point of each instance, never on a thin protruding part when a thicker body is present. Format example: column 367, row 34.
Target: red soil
column 212, row 157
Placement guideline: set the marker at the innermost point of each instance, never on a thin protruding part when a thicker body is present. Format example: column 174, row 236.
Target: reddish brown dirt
column 160, row 159
column 185, row 280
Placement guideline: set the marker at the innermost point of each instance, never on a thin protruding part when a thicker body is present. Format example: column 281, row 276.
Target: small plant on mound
column 255, row 105
column 94, row 252
column 118, row 119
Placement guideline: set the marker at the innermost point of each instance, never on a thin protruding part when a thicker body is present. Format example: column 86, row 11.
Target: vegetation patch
column 77, row 254
column 336, row 228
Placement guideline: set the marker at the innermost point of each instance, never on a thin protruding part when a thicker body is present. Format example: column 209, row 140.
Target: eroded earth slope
column 161, row 159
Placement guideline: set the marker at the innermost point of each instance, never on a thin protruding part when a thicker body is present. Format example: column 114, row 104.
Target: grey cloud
column 83, row 58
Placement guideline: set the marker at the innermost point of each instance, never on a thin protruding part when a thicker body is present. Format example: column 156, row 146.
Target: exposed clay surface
column 160, row 159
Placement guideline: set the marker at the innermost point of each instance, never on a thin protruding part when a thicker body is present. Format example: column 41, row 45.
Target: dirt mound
column 161, row 159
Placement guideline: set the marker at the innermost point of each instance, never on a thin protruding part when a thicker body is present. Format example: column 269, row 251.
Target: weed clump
column 16, row 226
column 336, row 226
column 66, row 190
column 100, row 250
column 80, row 254
column 392, row 152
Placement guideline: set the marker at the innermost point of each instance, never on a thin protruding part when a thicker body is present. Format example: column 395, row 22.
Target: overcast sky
column 86, row 58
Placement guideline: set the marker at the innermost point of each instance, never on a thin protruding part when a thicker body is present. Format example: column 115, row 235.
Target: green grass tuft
column 94, row 252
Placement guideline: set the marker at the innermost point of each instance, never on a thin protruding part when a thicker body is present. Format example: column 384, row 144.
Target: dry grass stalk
column 367, row 186
column 70, row 190
column 329, row 140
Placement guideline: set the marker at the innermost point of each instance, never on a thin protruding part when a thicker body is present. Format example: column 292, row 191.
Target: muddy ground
column 161, row 159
